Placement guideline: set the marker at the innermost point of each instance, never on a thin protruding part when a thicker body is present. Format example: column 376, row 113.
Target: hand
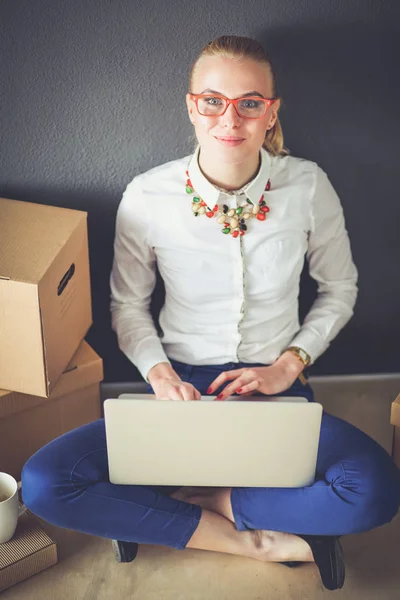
column 267, row 380
column 169, row 388
column 167, row 384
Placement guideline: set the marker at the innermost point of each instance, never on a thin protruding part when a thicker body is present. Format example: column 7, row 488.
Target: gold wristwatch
column 303, row 356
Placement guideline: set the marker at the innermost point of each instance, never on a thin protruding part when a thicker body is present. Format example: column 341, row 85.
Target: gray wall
column 93, row 94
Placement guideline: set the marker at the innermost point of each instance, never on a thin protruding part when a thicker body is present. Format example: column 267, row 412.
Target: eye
column 250, row 103
column 213, row 100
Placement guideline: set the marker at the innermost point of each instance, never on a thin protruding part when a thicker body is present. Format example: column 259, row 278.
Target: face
column 231, row 78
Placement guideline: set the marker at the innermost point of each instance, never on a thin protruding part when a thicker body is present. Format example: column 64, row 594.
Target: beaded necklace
column 233, row 219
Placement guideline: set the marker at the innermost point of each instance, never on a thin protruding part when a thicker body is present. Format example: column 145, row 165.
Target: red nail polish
column 239, row 391
column 209, row 390
column 219, row 396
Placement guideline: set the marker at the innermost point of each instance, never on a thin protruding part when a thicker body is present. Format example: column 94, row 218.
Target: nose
column 231, row 117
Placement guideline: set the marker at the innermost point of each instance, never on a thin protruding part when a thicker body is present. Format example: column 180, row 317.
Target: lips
column 229, row 141
column 229, row 138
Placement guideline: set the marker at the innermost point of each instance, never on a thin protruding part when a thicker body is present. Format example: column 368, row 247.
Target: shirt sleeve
column 132, row 282
column 331, row 265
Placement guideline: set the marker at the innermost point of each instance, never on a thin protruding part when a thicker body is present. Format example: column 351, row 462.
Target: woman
column 229, row 228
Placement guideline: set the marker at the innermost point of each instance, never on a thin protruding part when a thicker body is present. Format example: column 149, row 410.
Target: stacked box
column 30, row 551
column 49, row 376
column 44, row 293
column 29, row 422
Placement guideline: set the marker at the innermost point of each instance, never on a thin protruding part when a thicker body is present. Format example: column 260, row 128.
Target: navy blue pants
column 357, row 486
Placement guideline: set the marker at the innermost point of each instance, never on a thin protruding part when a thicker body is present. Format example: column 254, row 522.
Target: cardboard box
column 45, row 302
column 395, row 420
column 29, row 422
column 30, row 551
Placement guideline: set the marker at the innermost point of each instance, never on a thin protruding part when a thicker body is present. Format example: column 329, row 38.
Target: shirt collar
column 210, row 194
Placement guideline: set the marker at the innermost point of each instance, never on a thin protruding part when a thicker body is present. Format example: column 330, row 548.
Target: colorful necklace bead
column 234, row 220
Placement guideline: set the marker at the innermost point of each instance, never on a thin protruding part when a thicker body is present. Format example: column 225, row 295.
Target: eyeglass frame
column 268, row 103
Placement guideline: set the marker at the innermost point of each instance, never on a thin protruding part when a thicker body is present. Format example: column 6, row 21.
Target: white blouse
column 227, row 299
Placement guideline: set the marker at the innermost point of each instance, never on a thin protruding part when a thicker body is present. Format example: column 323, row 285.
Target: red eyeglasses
column 215, row 105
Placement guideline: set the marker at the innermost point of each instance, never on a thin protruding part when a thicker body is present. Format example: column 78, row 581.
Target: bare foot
column 276, row 546
column 272, row 546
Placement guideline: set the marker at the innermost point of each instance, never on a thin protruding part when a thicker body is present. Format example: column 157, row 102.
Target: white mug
column 10, row 509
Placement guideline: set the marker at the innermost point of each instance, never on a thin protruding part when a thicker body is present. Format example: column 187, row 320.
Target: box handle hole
column 65, row 279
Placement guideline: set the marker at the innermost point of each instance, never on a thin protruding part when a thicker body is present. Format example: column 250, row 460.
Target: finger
column 232, row 387
column 188, row 392
column 223, row 378
column 243, row 382
column 197, row 394
column 248, row 388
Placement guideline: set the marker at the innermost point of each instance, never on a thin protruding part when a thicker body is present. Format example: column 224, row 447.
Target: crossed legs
column 357, row 488
column 217, row 532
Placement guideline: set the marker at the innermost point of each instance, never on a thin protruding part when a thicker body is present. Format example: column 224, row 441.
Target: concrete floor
column 87, row 571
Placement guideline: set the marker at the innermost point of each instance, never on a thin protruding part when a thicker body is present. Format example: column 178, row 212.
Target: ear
column 191, row 108
column 274, row 114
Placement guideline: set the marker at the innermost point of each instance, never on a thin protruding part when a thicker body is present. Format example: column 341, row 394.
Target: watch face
column 302, row 354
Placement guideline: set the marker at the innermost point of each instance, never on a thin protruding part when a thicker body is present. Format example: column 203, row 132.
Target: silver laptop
column 240, row 442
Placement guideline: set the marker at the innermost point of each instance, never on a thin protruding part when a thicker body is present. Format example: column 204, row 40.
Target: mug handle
column 21, row 507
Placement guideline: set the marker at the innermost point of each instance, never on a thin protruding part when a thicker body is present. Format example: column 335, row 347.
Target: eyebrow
column 253, row 93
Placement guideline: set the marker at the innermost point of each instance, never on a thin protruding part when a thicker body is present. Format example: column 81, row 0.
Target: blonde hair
column 233, row 46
